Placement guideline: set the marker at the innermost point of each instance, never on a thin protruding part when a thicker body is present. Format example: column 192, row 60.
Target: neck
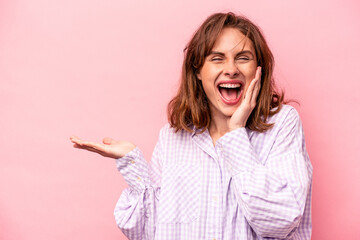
column 218, row 127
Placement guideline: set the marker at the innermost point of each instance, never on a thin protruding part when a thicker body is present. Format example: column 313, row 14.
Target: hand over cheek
column 248, row 103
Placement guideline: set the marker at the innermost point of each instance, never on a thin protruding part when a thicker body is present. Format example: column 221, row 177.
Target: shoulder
column 168, row 133
column 287, row 119
column 287, row 124
column 175, row 146
column 286, row 114
column 167, row 130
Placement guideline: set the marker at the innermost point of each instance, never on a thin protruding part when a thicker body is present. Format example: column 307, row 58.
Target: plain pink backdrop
column 108, row 68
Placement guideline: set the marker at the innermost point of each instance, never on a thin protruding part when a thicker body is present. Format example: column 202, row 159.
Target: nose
column 230, row 69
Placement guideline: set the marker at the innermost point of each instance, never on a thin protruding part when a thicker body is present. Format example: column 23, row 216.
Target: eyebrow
column 217, row 53
column 223, row 54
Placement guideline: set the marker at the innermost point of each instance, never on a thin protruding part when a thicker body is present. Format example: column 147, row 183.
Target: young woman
column 232, row 162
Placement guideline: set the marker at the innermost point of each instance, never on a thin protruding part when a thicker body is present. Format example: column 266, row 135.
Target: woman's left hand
column 109, row 148
column 248, row 103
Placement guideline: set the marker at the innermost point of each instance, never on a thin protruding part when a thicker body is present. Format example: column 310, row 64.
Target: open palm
column 109, row 148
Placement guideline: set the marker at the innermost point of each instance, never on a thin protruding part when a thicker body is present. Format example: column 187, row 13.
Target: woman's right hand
column 109, row 148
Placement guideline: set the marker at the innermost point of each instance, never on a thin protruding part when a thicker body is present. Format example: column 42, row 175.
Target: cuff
column 134, row 169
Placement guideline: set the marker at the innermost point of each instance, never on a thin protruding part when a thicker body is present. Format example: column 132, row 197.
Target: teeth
column 229, row 85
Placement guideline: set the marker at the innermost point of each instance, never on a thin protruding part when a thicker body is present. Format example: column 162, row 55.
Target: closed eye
column 216, row 59
column 243, row 58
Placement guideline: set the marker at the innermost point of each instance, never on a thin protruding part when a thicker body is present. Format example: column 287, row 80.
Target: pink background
column 108, row 68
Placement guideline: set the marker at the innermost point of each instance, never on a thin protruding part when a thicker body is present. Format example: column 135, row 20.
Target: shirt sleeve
column 135, row 211
column 271, row 195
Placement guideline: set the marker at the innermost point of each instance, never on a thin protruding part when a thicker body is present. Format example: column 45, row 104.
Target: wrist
column 235, row 126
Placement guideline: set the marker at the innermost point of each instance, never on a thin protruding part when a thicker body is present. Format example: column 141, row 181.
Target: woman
column 232, row 162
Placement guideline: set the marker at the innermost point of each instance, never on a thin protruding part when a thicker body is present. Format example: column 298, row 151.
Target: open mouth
column 230, row 92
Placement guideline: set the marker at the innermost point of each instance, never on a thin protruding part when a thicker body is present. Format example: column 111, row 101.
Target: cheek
column 250, row 77
column 251, row 70
column 246, row 87
column 209, row 89
column 210, row 71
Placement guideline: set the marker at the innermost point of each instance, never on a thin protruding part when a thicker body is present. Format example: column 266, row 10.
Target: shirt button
column 139, row 178
column 215, row 198
column 132, row 161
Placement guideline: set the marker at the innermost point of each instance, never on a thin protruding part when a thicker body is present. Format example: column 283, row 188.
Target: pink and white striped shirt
column 250, row 185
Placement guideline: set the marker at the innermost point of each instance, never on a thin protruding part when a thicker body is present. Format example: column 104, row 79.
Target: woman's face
column 228, row 71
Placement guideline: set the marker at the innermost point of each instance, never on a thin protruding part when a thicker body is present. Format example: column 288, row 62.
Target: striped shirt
column 250, row 185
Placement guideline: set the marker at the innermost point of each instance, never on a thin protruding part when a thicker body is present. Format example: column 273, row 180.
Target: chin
column 228, row 113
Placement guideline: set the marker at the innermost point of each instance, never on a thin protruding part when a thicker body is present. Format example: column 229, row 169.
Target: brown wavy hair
column 190, row 108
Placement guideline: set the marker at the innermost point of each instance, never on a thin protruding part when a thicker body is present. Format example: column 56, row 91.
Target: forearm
column 135, row 211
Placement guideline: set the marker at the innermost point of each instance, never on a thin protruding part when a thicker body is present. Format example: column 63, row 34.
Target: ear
column 198, row 75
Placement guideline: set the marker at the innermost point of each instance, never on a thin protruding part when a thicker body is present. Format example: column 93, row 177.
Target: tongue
column 228, row 93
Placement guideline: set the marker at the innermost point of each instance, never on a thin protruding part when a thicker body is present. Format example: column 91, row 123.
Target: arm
column 135, row 211
column 272, row 196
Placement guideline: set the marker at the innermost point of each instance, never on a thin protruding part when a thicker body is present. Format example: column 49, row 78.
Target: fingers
column 91, row 146
column 258, row 73
column 91, row 149
column 77, row 140
column 257, row 85
column 108, row 141
column 95, row 146
column 250, row 91
column 74, row 138
column 253, row 89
